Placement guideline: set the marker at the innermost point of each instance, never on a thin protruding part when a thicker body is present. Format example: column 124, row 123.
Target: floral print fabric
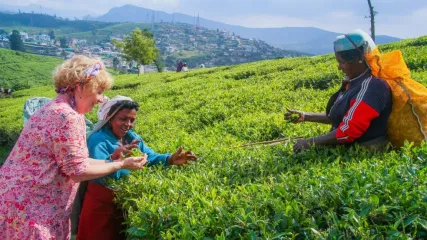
column 36, row 191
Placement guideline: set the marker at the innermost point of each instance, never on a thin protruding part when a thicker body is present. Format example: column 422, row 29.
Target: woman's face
column 86, row 100
column 122, row 122
column 348, row 68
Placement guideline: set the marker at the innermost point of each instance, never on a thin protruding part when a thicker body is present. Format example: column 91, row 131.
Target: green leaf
column 279, row 235
column 409, row 220
column 422, row 222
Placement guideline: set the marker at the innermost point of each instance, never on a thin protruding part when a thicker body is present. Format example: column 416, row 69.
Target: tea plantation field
column 20, row 70
column 258, row 192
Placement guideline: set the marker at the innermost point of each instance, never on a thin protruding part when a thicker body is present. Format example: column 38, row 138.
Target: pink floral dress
column 36, row 191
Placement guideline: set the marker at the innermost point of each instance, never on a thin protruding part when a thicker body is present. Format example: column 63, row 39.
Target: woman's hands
column 130, row 163
column 294, row 116
column 303, row 145
column 181, row 157
column 121, row 151
column 134, row 163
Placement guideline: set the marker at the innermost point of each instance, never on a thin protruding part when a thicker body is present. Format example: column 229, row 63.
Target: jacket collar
column 110, row 135
column 360, row 78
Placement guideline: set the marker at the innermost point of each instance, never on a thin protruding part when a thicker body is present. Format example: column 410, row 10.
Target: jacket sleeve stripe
column 359, row 98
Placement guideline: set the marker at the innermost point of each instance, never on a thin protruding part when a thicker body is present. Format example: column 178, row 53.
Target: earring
column 360, row 61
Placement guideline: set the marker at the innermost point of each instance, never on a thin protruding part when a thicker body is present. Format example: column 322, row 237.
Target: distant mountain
column 304, row 39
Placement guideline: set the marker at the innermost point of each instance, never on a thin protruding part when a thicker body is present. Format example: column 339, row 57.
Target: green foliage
column 116, row 62
column 16, row 41
column 23, row 70
column 4, row 152
column 135, row 153
column 51, row 34
column 259, row 192
column 63, row 42
column 160, row 65
column 47, row 21
column 140, row 47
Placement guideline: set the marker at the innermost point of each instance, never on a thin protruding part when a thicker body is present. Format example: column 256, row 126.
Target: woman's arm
column 317, row 117
column 97, row 161
column 96, row 169
column 326, row 139
column 306, row 117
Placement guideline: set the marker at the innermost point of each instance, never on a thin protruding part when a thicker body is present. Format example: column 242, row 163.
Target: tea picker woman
column 39, row 179
column 359, row 111
column 112, row 138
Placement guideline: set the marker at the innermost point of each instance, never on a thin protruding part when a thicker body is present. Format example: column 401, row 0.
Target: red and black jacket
column 360, row 113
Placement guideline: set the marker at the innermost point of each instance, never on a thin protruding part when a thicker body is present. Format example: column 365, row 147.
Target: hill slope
column 191, row 44
column 20, row 70
column 260, row 192
column 304, row 39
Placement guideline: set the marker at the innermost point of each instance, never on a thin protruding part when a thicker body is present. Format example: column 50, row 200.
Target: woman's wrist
column 303, row 116
column 119, row 165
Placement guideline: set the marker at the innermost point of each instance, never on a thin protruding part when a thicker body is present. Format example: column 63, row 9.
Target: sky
column 398, row 18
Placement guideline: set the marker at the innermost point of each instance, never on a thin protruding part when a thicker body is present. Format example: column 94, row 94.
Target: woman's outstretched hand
column 135, row 163
column 121, row 151
column 294, row 116
column 181, row 157
column 301, row 145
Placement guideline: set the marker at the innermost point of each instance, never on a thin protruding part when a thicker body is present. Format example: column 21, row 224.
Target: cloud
column 266, row 21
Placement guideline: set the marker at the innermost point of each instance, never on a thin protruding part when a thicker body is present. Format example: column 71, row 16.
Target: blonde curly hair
column 73, row 72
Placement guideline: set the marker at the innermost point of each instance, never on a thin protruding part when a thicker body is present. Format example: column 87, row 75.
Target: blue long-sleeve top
column 102, row 144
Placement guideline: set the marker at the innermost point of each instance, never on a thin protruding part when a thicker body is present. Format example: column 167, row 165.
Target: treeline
column 47, row 21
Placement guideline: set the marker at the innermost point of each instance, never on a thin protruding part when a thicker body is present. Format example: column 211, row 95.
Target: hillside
column 195, row 45
column 303, row 39
column 20, row 70
column 191, row 44
column 259, row 192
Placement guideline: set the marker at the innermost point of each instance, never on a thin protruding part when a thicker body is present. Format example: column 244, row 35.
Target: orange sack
column 408, row 118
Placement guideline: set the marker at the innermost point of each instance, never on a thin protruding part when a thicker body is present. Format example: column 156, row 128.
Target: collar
column 360, row 78
column 110, row 135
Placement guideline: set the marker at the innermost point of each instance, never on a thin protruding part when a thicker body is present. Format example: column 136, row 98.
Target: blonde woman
column 40, row 177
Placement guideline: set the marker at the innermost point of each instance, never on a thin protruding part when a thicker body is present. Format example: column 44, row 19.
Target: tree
column 94, row 34
column 372, row 14
column 16, row 41
column 139, row 47
column 51, row 34
column 64, row 54
column 116, row 62
column 63, row 42
column 160, row 65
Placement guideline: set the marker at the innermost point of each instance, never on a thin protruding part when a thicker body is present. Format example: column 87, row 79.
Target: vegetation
column 139, row 47
column 23, row 70
column 46, row 21
column 259, row 192
column 16, row 41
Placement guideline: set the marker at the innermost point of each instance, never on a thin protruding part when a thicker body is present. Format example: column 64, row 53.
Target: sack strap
column 354, row 44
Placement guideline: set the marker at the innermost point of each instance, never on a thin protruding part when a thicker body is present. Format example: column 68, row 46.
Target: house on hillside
column 82, row 42
column 44, row 38
column 24, row 35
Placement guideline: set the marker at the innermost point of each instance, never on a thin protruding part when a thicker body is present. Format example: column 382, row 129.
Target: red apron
column 100, row 217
